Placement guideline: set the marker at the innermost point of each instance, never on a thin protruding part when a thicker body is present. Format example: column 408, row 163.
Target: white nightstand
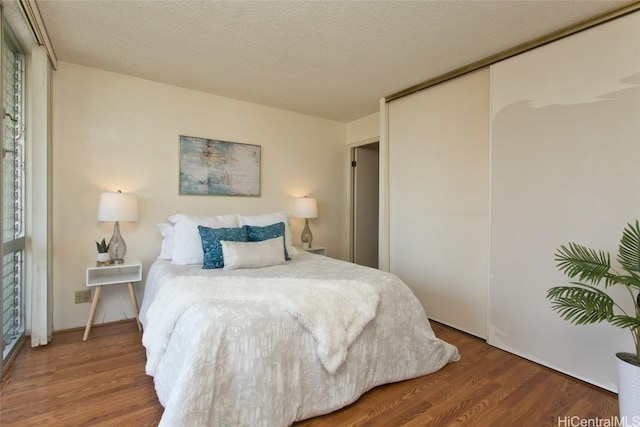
column 320, row 250
column 129, row 272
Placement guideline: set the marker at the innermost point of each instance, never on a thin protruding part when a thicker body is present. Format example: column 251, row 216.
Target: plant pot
column 103, row 259
column 628, row 388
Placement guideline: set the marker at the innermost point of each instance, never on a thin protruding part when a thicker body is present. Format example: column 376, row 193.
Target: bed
column 270, row 346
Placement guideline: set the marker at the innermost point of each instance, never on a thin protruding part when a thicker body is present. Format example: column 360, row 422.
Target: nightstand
column 129, row 272
column 320, row 250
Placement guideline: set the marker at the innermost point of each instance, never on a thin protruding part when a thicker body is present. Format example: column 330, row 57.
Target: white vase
column 102, row 258
column 628, row 391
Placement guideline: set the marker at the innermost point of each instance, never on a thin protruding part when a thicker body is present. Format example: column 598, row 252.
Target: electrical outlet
column 83, row 296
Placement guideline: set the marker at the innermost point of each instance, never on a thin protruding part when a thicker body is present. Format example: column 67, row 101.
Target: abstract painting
column 212, row 167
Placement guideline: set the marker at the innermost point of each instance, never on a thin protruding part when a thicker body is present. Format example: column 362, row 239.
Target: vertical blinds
column 12, row 197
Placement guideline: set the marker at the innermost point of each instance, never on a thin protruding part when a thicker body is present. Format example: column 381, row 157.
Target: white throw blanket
column 333, row 311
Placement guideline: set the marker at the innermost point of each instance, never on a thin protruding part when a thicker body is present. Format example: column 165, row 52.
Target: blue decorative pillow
column 211, row 246
column 259, row 234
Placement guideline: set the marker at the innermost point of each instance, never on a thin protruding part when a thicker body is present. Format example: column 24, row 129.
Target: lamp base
column 307, row 237
column 117, row 246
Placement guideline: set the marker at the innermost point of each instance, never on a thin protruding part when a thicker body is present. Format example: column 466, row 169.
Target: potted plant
column 102, row 258
column 584, row 302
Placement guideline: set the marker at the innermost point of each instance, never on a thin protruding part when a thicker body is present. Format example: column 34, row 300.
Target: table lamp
column 117, row 207
column 306, row 207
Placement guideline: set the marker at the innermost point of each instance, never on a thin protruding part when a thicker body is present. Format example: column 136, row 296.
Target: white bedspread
column 240, row 363
column 333, row 311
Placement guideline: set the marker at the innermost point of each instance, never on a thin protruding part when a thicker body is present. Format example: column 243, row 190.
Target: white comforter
column 332, row 311
column 256, row 361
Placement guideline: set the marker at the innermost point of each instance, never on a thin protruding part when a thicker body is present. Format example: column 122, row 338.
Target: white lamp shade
column 305, row 207
column 118, row 207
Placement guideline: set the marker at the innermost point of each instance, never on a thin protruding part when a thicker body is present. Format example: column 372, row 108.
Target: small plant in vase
column 103, row 257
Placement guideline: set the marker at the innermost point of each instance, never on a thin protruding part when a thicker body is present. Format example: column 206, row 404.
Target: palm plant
column 582, row 302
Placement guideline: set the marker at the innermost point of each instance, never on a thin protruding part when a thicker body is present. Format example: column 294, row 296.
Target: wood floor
column 101, row 382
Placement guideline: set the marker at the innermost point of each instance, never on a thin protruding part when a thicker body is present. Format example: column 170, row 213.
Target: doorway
column 365, row 173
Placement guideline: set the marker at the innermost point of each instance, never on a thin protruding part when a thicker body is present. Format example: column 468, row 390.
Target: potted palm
column 584, row 302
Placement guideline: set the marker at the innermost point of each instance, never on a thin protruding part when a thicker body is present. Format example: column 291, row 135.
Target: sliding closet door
column 565, row 168
column 439, row 198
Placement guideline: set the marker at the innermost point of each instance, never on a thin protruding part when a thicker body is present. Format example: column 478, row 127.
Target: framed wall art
column 223, row 168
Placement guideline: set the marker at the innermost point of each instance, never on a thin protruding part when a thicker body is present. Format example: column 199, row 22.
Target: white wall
column 112, row 131
column 365, row 129
column 439, row 198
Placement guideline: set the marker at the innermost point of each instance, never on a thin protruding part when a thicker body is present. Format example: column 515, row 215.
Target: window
column 13, row 158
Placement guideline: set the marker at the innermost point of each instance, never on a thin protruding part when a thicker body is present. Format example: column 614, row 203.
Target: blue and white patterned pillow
column 211, row 246
column 259, row 234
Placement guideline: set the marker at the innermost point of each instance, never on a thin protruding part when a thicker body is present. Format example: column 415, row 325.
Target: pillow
column 272, row 218
column 212, row 249
column 259, row 234
column 166, row 248
column 187, row 246
column 252, row 254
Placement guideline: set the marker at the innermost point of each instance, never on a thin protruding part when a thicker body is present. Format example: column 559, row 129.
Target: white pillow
column 272, row 218
column 187, row 245
column 167, row 232
column 252, row 254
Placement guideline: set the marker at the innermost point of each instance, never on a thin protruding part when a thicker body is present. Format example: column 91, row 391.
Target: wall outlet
column 83, row 296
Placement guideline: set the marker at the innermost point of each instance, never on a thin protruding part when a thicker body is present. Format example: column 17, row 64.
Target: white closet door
column 565, row 167
column 439, row 198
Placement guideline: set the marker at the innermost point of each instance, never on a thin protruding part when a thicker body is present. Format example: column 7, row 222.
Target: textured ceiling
column 331, row 59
